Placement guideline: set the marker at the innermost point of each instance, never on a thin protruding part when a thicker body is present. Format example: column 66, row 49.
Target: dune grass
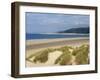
column 82, row 54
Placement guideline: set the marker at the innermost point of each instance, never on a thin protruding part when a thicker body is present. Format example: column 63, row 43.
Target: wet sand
column 54, row 42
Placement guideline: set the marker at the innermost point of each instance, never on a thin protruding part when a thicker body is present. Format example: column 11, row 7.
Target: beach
column 33, row 46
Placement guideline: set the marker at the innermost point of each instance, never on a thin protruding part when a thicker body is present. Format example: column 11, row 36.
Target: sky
column 53, row 22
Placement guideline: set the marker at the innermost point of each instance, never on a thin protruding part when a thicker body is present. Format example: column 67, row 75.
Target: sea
column 54, row 36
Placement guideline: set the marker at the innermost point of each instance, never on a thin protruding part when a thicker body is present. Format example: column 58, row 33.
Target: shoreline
column 52, row 43
column 39, row 41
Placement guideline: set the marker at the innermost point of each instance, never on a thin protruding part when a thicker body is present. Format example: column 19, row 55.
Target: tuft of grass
column 42, row 56
column 65, row 58
column 82, row 55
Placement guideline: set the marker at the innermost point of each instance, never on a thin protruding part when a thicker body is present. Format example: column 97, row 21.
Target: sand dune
column 37, row 46
column 51, row 59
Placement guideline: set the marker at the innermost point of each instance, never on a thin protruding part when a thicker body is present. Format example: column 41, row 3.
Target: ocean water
column 54, row 36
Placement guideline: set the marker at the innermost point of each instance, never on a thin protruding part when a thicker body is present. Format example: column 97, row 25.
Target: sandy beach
column 37, row 44
column 33, row 46
column 39, row 41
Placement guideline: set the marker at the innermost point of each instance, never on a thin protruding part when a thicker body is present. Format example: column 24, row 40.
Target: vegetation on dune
column 65, row 57
column 65, row 48
column 42, row 56
column 82, row 56
column 80, row 53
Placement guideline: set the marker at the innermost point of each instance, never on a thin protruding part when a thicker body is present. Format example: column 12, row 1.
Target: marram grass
column 81, row 55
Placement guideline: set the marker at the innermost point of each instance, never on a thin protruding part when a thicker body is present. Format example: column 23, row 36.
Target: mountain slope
column 76, row 30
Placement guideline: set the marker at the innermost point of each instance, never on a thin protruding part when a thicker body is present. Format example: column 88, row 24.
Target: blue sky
column 53, row 22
